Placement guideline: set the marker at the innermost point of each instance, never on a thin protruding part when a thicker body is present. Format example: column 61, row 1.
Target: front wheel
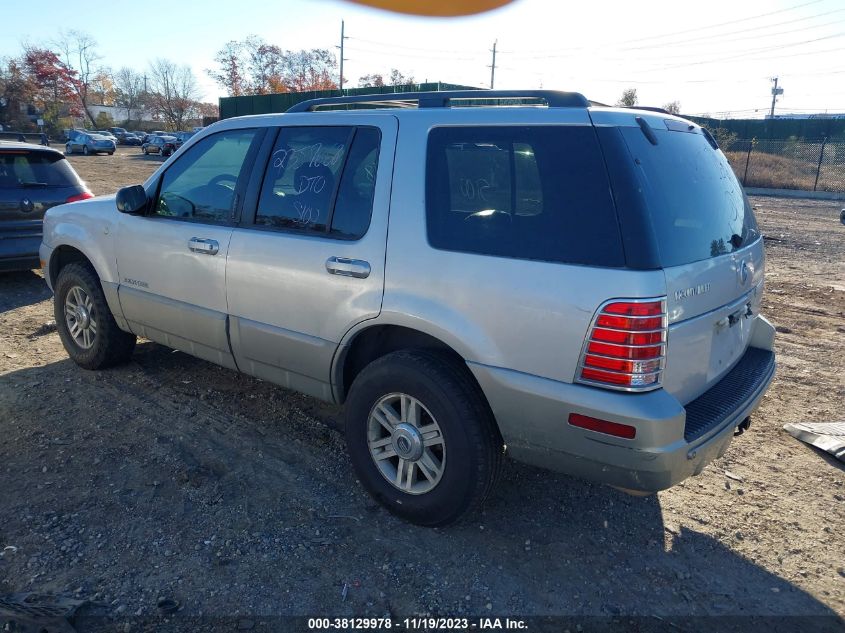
column 86, row 326
column 68, row 149
column 422, row 438
column 85, row 150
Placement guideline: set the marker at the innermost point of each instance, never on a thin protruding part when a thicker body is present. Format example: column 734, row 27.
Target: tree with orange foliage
column 254, row 66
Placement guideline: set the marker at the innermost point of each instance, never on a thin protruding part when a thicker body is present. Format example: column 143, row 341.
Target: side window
column 302, row 177
column 527, row 192
column 201, row 184
column 354, row 204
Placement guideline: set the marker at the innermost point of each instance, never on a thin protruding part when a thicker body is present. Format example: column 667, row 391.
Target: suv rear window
column 697, row 207
column 528, row 192
column 22, row 168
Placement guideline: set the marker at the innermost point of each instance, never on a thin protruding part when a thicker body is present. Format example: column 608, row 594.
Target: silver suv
column 572, row 285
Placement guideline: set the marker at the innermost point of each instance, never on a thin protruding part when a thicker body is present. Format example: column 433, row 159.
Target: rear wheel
column 421, row 437
column 85, row 324
column 85, row 150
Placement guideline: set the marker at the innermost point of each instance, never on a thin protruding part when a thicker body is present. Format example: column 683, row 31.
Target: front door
column 172, row 262
column 307, row 261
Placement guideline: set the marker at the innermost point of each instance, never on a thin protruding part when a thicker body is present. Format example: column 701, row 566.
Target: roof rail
column 650, row 109
column 442, row 99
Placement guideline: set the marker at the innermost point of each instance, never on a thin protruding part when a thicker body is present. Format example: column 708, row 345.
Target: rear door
column 307, row 261
column 709, row 247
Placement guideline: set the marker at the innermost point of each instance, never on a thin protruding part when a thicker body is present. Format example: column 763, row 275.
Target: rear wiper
column 33, row 184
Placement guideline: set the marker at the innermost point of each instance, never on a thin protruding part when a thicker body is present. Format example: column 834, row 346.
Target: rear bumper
column 672, row 442
column 19, row 245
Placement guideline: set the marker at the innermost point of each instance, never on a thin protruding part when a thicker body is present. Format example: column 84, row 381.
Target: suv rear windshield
column 528, row 192
column 697, row 206
column 21, row 168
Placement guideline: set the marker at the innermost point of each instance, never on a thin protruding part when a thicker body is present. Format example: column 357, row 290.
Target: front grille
column 721, row 401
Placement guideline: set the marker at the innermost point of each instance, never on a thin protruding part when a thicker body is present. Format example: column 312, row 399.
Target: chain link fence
column 788, row 164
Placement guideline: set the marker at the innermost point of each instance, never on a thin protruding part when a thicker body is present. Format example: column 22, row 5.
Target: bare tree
column 628, row 98
column 377, row 80
column 308, row 70
column 129, row 91
column 78, row 52
column 253, row 66
column 398, row 79
column 373, row 80
column 673, row 107
column 173, row 92
column 266, row 66
column 232, row 68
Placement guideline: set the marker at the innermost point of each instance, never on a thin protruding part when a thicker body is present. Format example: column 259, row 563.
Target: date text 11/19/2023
column 417, row 624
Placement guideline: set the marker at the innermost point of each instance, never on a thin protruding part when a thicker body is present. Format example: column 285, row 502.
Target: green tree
column 103, row 121
column 673, row 107
column 628, row 98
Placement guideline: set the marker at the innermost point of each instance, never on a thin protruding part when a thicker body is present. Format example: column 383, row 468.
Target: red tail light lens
column 625, row 347
column 80, row 196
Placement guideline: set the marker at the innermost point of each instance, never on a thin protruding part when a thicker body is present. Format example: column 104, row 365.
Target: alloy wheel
column 79, row 317
column 406, row 443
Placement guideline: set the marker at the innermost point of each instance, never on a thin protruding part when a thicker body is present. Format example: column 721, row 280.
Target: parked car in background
column 577, row 286
column 164, row 145
column 141, row 135
column 117, row 131
column 181, row 137
column 25, row 137
column 107, row 134
column 131, row 139
column 69, row 134
column 90, row 143
column 32, row 179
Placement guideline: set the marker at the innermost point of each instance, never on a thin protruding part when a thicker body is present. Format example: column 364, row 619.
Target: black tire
column 111, row 345
column 68, row 149
column 474, row 447
column 85, row 150
column 111, row 153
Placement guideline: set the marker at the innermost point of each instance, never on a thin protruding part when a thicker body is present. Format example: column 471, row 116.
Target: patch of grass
column 785, row 172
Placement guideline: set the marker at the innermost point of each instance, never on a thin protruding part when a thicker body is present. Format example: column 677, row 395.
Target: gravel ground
column 171, row 477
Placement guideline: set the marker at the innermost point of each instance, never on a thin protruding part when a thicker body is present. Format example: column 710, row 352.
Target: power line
column 412, row 48
column 753, row 28
column 752, row 52
column 729, row 22
column 418, row 57
column 659, row 48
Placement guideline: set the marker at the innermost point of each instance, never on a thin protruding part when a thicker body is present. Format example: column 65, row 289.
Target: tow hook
column 743, row 426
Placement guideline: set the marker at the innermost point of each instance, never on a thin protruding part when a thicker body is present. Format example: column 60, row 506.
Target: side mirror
column 132, row 200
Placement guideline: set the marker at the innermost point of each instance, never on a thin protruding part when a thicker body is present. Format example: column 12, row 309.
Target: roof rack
column 650, row 109
column 442, row 99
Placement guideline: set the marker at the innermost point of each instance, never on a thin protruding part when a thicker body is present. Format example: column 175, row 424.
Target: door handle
column 348, row 267
column 204, row 246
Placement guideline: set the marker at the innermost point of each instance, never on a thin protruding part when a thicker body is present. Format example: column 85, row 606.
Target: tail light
column 626, row 345
column 80, row 196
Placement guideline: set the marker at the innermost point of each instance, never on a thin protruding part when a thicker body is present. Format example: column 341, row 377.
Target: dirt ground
column 171, row 477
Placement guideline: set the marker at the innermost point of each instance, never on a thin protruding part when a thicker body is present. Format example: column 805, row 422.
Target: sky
column 716, row 58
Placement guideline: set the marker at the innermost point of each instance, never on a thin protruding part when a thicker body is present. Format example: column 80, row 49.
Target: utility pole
column 493, row 67
column 342, row 38
column 775, row 92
